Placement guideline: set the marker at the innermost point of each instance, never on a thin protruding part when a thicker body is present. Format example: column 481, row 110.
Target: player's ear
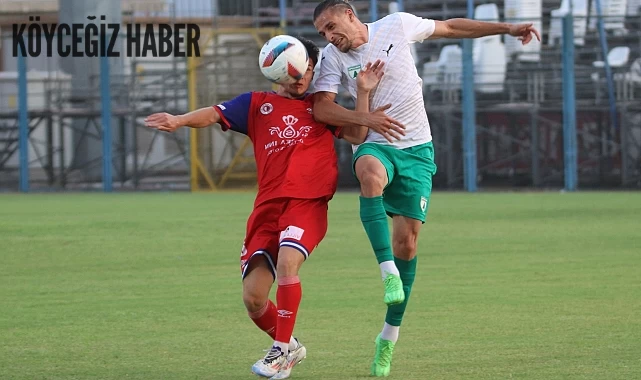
column 350, row 15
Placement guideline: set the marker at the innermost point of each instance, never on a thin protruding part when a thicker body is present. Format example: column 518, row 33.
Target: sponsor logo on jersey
column 290, row 132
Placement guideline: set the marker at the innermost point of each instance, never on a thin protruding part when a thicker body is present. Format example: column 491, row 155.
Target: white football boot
column 271, row 363
column 294, row 357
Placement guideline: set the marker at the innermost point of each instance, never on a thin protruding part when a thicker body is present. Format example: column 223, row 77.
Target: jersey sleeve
column 329, row 77
column 416, row 29
column 234, row 113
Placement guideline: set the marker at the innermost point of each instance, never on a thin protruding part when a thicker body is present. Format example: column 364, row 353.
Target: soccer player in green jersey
column 395, row 175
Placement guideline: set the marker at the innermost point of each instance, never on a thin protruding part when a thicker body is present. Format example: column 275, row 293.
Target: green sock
column 408, row 273
column 374, row 221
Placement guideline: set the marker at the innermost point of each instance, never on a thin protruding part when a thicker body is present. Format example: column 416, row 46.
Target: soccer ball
column 283, row 59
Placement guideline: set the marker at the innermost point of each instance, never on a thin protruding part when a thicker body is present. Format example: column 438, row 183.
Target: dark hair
column 312, row 49
column 335, row 4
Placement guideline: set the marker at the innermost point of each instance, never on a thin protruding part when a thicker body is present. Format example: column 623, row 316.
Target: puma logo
column 388, row 49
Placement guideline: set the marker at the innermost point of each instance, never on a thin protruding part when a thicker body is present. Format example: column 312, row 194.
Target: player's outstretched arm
column 330, row 113
column 166, row 122
column 466, row 28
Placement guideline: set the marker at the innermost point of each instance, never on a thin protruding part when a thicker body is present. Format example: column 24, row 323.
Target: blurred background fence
column 562, row 113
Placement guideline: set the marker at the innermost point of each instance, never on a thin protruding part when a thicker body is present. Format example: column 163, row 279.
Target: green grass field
column 147, row 286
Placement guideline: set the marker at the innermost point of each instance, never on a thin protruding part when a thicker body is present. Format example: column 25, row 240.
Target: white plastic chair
column 523, row 11
column 433, row 72
column 580, row 13
column 490, row 65
column 617, row 57
column 613, row 12
column 490, row 68
column 485, row 12
column 490, row 13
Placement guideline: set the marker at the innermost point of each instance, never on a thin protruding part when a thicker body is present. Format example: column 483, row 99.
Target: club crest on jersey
column 290, row 132
column 353, row 71
column 266, row 108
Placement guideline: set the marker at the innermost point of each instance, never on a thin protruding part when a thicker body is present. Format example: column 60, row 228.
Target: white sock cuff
column 388, row 267
column 284, row 347
column 390, row 332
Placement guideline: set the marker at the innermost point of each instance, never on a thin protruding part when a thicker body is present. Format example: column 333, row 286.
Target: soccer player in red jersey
column 297, row 177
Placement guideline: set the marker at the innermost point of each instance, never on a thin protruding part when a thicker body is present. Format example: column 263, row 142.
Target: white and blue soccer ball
column 283, row 59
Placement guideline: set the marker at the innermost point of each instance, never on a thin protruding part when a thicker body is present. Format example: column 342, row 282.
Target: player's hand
column 368, row 78
column 163, row 122
column 524, row 32
column 384, row 125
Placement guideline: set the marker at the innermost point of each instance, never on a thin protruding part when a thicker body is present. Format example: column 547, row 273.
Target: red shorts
column 284, row 222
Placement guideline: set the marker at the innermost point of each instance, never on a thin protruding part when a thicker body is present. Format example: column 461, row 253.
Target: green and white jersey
column 401, row 86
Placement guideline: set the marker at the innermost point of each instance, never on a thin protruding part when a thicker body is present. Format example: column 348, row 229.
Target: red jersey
column 294, row 154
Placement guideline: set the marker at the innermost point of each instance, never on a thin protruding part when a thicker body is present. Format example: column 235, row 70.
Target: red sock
column 265, row 319
column 288, row 298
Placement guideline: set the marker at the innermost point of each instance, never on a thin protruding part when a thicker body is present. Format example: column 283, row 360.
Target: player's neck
column 362, row 36
column 281, row 91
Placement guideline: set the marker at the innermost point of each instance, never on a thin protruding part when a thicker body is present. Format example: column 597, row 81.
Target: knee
column 405, row 246
column 372, row 182
column 253, row 302
column 289, row 262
